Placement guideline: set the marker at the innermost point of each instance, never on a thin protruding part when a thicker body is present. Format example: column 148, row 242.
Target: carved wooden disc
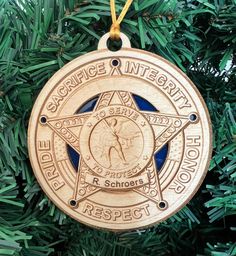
column 120, row 140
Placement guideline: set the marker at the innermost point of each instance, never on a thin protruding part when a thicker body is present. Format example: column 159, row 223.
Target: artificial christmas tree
column 39, row 37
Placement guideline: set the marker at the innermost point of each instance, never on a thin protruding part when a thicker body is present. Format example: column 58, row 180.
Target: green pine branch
column 37, row 37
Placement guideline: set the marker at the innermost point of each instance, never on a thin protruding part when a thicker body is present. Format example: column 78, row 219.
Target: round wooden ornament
column 120, row 140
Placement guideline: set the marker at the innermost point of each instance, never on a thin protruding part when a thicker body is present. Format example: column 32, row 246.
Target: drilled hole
column 43, row 119
column 73, row 202
column 114, row 45
column 193, row 117
column 115, row 62
column 162, row 205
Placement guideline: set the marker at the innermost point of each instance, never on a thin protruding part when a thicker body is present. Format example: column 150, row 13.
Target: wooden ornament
column 120, row 140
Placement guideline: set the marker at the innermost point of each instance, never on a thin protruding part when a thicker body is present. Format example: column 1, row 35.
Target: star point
column 165, row 127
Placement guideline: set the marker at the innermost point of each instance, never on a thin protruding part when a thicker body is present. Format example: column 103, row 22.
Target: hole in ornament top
column 114, row 45
column 115, row 62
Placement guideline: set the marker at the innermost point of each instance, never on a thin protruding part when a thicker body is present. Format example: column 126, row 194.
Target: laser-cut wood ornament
column 116, row 183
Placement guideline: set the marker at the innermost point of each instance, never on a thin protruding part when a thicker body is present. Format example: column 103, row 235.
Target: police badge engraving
column 120, row 140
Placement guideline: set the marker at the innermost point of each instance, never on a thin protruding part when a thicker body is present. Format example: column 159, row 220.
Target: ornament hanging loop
column 115, row 27
column 115, row 32
column 102, row 44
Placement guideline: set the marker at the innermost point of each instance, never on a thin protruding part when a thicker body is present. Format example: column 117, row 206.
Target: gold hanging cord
column 115, row 27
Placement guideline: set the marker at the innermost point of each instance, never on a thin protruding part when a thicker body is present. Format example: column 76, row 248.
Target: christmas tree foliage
column 38, row 37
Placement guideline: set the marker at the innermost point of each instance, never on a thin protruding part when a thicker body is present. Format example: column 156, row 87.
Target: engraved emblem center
column 117, row 138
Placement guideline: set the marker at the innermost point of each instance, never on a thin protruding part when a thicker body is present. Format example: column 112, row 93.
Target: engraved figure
column 112, row 141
